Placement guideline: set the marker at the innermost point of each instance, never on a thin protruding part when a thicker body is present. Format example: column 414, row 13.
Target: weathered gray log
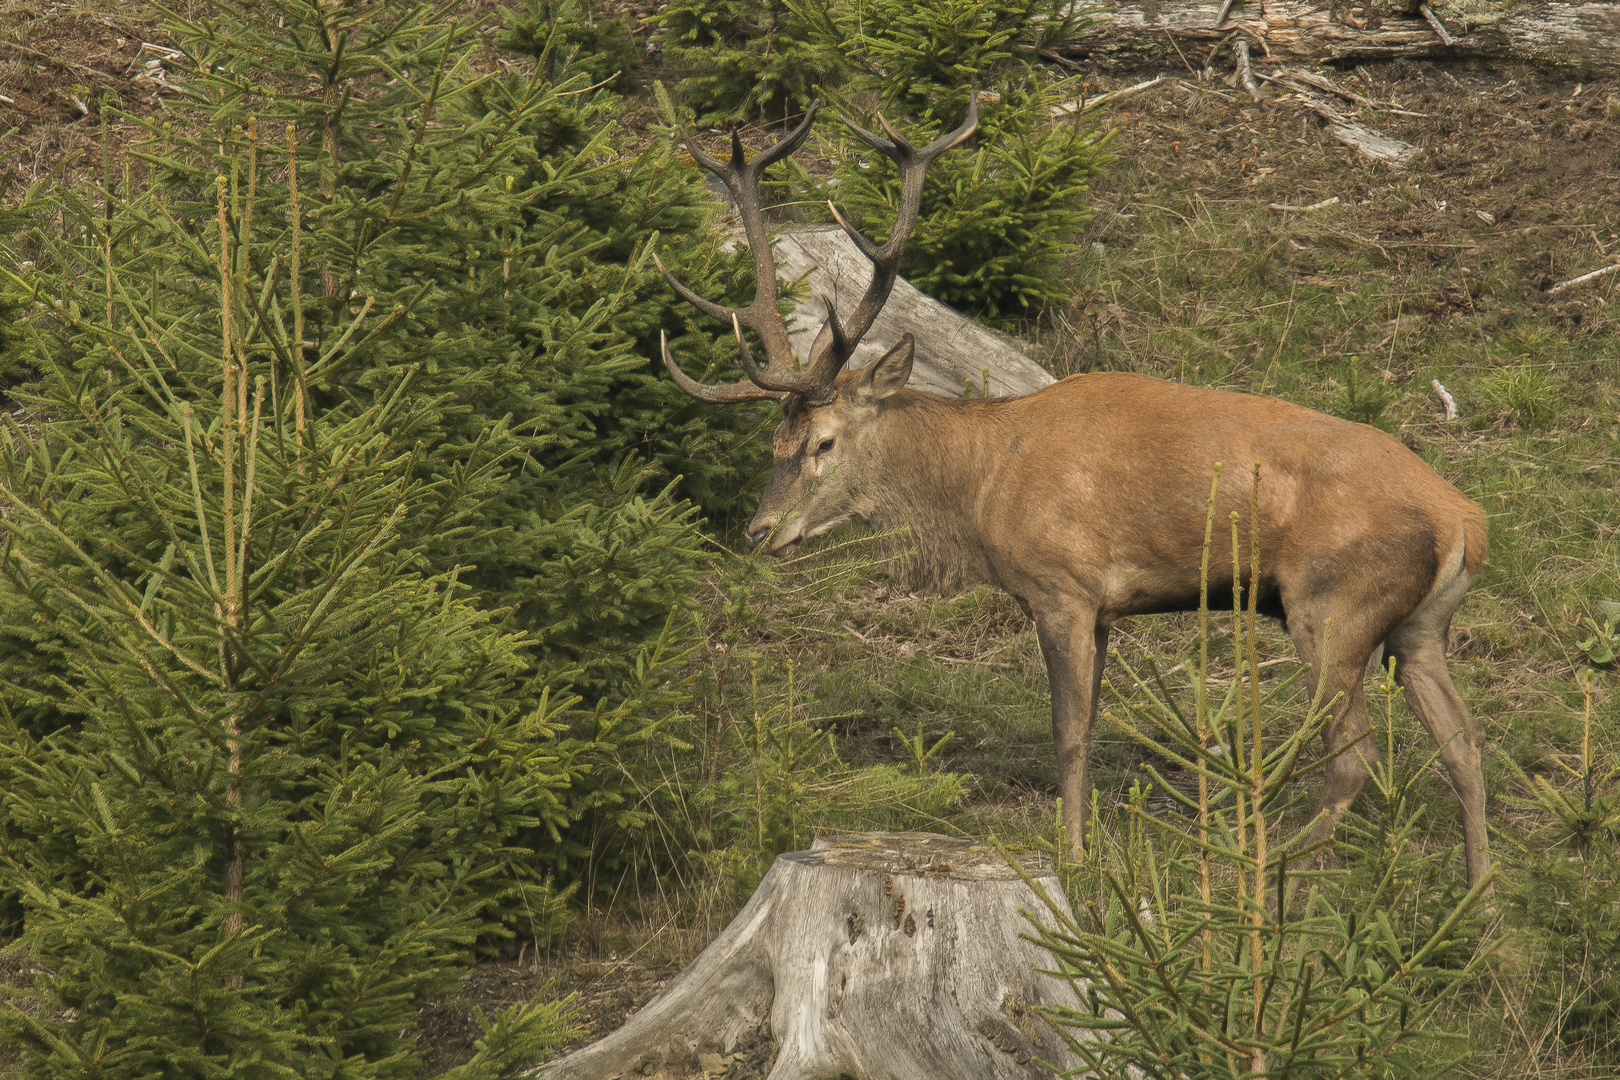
column 1583, row 37
column 952, row 349
column 888, row 956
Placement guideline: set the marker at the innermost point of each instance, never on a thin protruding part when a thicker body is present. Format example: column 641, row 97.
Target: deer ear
column 887, row 373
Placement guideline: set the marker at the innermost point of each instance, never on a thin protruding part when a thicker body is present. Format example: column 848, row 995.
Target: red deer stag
column 1086, row 502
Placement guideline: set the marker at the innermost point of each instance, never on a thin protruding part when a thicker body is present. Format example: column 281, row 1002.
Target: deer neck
column 936, row 459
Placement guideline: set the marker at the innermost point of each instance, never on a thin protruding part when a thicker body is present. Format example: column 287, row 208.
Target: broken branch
column 1436, row 24
column 1241, row 47
column 1285, row 208
column 1087, row 104
column 1562, row 285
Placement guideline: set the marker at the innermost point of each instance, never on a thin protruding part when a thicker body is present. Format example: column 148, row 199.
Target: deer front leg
column 1075, row 647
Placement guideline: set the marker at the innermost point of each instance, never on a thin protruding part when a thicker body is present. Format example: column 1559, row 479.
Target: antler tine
column 789, row 143
column 825, row 365
column 729, row 394
column 708, row 307
column 817, row 391
column 913, row 165
column 742, row 176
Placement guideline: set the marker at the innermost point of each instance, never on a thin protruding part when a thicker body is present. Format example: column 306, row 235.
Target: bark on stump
column 888, row 956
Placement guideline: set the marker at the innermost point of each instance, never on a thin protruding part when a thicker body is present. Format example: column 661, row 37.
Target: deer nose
column 757, row 537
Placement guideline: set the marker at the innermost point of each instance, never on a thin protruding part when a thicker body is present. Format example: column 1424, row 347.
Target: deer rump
column 1086, row 501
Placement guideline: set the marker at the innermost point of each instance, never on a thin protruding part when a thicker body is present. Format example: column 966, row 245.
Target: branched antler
column 836, row 345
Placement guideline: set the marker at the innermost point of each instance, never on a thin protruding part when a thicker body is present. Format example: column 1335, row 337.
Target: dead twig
column 1562, row 285
column 1436, row 25
column 1292, row 77
column 1346, row 235
column 1285, row 208
column 1240, row 46
column 1226, row 9
column 977, row 663
column 1088, row 104
column 1195, row 88
column 1359, row 137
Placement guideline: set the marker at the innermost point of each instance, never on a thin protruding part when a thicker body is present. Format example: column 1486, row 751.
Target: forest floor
column 1448, row 270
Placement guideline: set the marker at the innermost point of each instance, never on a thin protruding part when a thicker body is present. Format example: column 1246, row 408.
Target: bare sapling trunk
column 888, row 956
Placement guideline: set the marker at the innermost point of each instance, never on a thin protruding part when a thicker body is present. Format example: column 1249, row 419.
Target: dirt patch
column 60, row 65
column 1512, row 190
column 610, row 967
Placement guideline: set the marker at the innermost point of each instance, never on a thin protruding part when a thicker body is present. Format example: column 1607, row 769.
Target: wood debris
column 1240, row 48
column 1446, row 399
column 1079, row 105
column 1285, row 208
column 1438, row 26
column 1562, row 285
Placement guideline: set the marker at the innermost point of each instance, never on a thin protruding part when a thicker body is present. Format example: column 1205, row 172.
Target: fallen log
column 1580, row 37
column 952, row 349
column 888, row 956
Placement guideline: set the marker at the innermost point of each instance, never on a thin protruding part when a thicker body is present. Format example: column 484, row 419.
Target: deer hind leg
column 1419, row 648
column 1337, row 667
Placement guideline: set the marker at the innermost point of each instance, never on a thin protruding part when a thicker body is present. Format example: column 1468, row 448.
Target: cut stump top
column 920, row 854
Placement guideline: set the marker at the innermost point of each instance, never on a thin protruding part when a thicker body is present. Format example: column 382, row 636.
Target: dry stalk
column 228, row 609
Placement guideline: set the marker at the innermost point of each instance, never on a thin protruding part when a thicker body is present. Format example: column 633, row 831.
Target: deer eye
column 825, row 447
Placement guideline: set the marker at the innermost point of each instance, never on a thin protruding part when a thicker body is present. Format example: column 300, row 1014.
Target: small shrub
column 999, row 220
column 575, row 37
column 744, row 59
column 1524, row 394
column 1567, row 884
column 1600, row 648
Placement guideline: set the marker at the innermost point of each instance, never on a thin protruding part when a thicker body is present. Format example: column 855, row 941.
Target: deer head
column 827, row 411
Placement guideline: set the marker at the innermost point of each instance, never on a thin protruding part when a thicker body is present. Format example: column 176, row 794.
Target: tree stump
column 888, row 956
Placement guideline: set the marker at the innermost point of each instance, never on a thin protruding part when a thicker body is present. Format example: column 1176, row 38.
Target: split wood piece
column 888, row 956
column 952, row 349
column 1579, row 36
column 1240, row 49
column 1369, row 143
column 1083, row 105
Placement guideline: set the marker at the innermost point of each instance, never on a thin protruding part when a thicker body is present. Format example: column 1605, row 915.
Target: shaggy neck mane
column 936, row 455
